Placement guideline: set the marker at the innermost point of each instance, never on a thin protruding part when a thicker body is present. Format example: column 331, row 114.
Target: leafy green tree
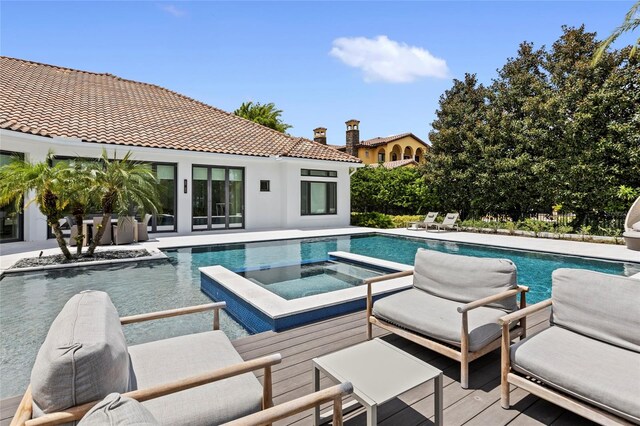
column 452, row 165
column 265, row 114
column 21, row 177
column 120, row 185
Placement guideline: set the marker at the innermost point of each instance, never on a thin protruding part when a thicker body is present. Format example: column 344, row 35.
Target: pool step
column 350, row 273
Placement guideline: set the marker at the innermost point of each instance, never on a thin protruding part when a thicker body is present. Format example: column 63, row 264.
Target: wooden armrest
column 388, row 277
column 290, row 408
column 521, row 313
column 23, row 413
column 141, row 395
column 490, row 299
column 172, row 313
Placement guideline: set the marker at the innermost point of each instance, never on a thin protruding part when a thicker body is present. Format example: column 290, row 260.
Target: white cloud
column 173, row 10
column 386, row 60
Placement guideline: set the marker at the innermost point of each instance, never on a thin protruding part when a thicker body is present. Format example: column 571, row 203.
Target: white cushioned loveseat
column 588, row 360
column 196, row 379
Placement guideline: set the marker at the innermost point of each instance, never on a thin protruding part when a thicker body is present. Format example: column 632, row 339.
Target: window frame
column 305, row 203
column 20, row 214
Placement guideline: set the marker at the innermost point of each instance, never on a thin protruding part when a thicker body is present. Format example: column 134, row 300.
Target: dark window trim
column 308, row 201
column 20, row 215
column 226, row 196
column 322, row 173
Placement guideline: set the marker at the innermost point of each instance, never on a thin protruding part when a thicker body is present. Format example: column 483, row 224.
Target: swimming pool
column 30, row 301
column 534, row 268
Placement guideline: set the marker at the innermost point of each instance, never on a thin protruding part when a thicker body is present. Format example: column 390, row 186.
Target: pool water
column 30, row 301
column 308, row 279
column 534, row 268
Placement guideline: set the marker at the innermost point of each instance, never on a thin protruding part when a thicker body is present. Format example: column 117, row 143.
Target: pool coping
column 277, row 310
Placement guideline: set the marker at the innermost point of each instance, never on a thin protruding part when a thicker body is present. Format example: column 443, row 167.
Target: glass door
column 10, row 218
column 218, row 198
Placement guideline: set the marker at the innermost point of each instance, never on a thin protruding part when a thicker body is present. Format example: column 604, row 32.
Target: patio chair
column 143, row 234
column 449, row 222
column 588, row 360
column 124, row 231
column 73, row 229
column 106, row 237
column 453, row 306
column 192, row 379
column 429, row 220
column 632, row 227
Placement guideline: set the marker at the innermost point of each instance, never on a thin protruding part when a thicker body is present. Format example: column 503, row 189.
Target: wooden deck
column 478, row 405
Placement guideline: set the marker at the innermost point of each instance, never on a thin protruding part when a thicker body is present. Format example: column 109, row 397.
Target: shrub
column 372, row 220
column 536, row 226
column 402, row 220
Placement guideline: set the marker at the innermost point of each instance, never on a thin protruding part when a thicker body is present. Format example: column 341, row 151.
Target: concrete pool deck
column 12, row 252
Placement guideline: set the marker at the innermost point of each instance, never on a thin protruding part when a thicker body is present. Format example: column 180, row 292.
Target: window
column 265, row 185
column 319, row 173
column 11, row 220
column 366, row 153
column 318, row 198
column 381, row 157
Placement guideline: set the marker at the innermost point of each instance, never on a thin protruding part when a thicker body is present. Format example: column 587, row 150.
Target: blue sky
column 320, row 62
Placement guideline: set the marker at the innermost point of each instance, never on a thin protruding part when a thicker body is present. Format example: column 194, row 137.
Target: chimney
column 353, row 137
column 320, row 135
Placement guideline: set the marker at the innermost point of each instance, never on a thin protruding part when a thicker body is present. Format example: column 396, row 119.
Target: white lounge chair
column 632, row 227
column 429, row 220
column 449, row 222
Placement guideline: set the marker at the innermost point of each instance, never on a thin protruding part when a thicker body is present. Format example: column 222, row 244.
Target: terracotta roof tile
column 60, row 102
column 396, row 164
column 381, row 141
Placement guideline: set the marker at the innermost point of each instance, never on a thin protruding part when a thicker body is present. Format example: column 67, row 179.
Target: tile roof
column 53, row 101
column 396, row 164
column 381, row 141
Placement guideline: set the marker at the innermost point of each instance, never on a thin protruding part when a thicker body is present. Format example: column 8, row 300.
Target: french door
column 218, row 198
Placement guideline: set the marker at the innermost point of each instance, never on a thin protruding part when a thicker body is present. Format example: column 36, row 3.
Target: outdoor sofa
column 588, row 361
column 632, row 227
column 453, row 306
column 196, row 379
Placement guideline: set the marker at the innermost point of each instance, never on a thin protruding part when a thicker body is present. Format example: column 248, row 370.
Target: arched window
column 408, row 153
column 419, row 155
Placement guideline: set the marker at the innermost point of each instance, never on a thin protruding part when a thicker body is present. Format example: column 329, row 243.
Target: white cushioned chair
column 196, row 379
column 588, row 361
column 453, row 306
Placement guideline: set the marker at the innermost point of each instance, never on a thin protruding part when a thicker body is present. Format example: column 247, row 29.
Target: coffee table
column 378, row 372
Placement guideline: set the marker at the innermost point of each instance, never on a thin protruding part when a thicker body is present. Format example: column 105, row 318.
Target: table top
column 377, row 370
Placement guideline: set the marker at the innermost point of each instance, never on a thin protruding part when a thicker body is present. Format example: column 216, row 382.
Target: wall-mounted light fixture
column 185, row 186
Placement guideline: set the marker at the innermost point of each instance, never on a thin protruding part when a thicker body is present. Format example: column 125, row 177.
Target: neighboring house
column 401, row 150
column 218, row 171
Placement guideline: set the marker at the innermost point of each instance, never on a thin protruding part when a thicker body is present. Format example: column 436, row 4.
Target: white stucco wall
column 279, row 208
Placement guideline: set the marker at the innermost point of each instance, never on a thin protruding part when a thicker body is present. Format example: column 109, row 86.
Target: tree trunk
column 55, row 226
column 80, row 237
column 97, row 236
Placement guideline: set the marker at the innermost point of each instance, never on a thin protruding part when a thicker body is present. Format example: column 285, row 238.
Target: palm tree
column 50, row 191
column 265, row 114
column 79, row 178
column 121, row 184
column 630, row 23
